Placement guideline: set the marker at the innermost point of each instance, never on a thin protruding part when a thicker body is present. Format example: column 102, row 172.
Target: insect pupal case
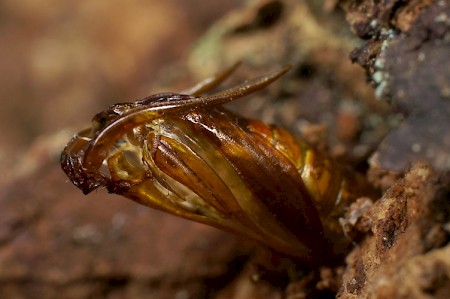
column 191, row 157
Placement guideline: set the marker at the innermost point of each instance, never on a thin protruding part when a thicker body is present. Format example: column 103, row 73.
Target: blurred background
column 61, row 62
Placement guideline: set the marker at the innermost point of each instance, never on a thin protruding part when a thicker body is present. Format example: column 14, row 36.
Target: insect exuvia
column 189, row 156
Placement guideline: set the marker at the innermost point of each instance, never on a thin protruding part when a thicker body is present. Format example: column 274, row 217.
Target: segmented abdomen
column 244, row 176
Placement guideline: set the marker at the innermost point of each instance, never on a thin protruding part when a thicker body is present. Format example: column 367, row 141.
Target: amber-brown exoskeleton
column 189, row 156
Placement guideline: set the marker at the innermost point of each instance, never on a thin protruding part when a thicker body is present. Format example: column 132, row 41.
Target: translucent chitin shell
column 189, row 156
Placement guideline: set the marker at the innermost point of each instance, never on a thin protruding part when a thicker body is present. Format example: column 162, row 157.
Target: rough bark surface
column 402, row 255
